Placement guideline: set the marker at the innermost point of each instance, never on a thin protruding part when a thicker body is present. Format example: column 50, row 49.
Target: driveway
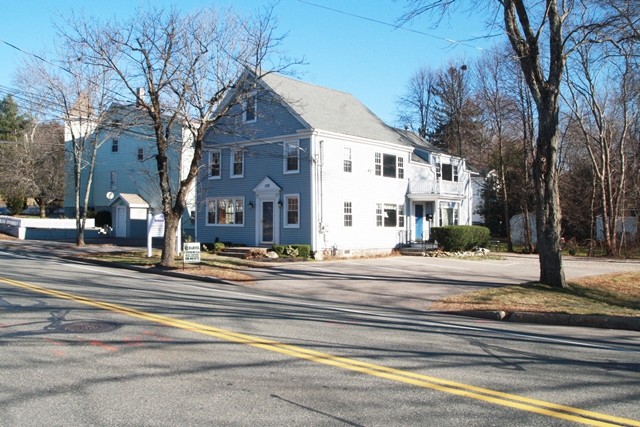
column 414, row 282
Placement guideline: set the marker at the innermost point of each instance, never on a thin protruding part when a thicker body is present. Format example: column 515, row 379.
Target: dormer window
column 250, row 108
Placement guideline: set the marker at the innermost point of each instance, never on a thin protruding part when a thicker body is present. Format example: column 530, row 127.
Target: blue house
column 125, row 180
column 295, row 163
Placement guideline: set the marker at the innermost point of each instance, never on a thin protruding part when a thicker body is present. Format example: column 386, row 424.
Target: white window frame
column 286, row 198
column 379, row 215
column 287, row 148
column 115, row 145
column 210, row 163
column 236, row 202
column 233, row 163
column 389, row 163
column 250, row 98
column 347, row 160
column 348, row 213
column 400, row 167
column 113, row 180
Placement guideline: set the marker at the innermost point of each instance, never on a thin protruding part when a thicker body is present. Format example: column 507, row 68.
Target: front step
column 242, row 252
column 418, row 249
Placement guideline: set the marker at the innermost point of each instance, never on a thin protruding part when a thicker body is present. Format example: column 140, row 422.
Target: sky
column 347, row 45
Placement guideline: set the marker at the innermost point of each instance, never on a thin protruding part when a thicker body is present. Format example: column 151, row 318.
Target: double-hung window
column 291, row 157
column 214, row 164
column 348, row 214
column 292, row 213
column 237, row 162
column 140, row 155
column 449, row 172
column 390, row 215
column 225, row 211
column 250, row 108
column 113, row 180
column 346, row 159
column 389, row 165
column 115, row 145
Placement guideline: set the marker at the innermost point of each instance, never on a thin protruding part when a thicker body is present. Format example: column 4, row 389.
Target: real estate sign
column 191, row 253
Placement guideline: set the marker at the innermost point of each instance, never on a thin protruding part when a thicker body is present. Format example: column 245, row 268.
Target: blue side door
column 419, row 215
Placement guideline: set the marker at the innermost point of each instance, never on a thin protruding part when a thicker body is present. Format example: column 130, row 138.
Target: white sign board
column 191, row 253
column 156, row 226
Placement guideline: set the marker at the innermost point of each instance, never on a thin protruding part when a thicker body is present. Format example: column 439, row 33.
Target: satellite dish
column 110, row 195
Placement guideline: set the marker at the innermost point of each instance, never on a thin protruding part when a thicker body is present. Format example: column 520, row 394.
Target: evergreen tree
column 12, row 123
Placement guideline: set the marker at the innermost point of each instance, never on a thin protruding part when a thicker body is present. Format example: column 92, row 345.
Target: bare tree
column 416, row 106
column 187, row 64
column 604, row 105
column 539, row 34
column 499, row 111
column 77, row 93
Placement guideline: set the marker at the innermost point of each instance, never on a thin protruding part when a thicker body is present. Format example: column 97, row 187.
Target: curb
column 558, row 319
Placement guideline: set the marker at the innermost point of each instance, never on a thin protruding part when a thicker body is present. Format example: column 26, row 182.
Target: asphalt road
column 88, row 345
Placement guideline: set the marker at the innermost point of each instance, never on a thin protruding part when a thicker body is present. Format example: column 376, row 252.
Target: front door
column 266, row 213
column 121, row 221
column 419, row 215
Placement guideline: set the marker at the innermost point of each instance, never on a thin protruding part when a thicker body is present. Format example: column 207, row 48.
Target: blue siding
column 273, row 120
column 260, row 161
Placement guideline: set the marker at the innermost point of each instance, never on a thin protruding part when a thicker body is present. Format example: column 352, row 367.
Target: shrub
column 213, row 248
column 461, row 237
column 103, row 218
column 292, row 251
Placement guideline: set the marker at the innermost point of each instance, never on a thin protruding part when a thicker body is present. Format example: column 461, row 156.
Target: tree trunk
column 548, row 214
column 169, row 250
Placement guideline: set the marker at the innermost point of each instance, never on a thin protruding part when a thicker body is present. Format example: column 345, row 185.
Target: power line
column 395, row 27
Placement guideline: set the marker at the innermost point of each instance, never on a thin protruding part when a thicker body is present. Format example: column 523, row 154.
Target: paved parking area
column 415, row 282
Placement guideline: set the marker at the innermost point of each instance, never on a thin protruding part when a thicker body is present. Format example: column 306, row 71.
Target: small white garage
column 129, row 215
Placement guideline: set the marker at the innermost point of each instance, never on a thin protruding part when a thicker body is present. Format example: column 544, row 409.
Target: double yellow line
column 486, row 395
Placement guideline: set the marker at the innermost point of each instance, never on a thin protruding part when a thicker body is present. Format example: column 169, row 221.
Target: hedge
column 461, row 237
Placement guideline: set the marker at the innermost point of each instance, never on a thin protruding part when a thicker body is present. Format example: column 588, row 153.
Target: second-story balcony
column 435, row 187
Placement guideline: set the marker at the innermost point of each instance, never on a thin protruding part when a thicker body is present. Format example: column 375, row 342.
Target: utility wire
column 395, row 27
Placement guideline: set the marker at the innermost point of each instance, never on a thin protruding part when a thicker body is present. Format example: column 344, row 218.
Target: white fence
column 17, row 227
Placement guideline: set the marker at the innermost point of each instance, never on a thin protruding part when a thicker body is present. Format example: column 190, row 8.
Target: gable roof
column 332, row 110
column 131, row 200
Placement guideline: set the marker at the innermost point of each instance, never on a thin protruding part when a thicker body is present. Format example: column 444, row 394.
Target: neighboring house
column 296, row 163
column 125, row 180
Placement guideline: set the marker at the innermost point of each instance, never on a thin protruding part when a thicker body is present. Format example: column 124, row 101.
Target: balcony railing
column 429, row 186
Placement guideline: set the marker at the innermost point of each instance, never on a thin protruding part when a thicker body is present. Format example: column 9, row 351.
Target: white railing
column 429, row 186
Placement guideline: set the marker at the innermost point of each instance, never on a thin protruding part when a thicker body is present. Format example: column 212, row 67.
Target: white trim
column 208, row 200
column 285, row 210
column 232, row 160
column 219, row 176
column 296, row 145
column 253, row 95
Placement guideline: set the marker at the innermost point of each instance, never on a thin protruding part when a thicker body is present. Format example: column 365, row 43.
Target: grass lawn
column 613, row 295
column 224, row 268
